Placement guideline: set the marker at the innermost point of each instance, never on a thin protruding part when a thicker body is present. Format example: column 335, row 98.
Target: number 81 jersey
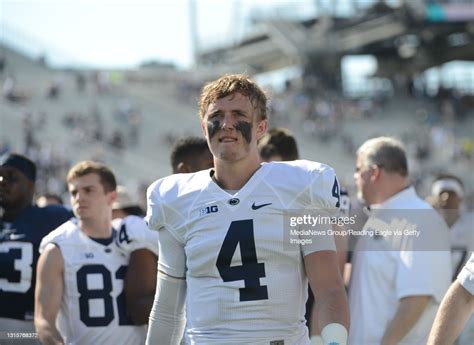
column 244, row 285
column 93, row 305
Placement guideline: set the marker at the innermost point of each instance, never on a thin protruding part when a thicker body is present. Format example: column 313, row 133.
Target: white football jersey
column 133, row 234
column 93, row 305
column 244, row 285
column 461, row 236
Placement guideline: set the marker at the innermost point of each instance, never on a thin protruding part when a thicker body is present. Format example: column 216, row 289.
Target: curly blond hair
column 229, row 84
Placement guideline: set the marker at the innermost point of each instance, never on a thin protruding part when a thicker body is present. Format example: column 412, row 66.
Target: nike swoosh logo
column 256, row 207
column 14, row 237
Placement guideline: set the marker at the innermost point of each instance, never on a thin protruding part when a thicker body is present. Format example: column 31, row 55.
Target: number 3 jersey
column 93, row 307
column 19, row 242
column 244, row 285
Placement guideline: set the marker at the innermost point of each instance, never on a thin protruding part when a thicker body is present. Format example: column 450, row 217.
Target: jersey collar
column 220, row 194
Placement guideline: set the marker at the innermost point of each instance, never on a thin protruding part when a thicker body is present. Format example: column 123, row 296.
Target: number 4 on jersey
column 335, row 192
column 241, row 232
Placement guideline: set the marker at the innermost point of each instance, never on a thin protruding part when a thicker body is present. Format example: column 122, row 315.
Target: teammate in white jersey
column 447, row 194
column 80, row 297
column 222, row 237
column 142, row 262
column 456, row 309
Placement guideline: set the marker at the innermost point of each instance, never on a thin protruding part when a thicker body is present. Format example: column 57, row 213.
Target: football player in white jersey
column 142, row 262
column 447, row 194
column 80, row 296
column 222, row 237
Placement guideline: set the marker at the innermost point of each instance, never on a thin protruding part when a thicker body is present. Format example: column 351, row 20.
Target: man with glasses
column 401, row 264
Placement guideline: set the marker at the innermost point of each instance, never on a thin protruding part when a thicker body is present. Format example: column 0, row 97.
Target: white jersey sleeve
column 466, row 277
column 165, row 218
column 306, row 185
column 320, row 196
column 56, row 236
column 325, row 191
column 168, row 202
column 133, row 234
column 173, row 258
column 155, row 216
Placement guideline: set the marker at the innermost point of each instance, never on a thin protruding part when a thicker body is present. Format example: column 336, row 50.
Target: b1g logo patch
column 208, row 209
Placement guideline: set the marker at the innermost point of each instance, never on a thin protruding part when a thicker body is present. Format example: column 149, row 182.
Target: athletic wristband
column 334, row 334
column 316, row 340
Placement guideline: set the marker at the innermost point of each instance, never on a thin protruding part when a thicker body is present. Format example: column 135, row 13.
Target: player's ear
column 30, row 185
column 204, row 128
column 262, row 128
column 112, row 196
column 183, row 168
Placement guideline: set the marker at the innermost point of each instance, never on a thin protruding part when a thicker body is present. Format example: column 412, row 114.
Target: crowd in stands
column 381, row 176
column 306, row 105
column 110, row 123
